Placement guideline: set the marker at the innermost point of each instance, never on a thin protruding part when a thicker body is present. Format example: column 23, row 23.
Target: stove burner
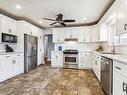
column 69, row 51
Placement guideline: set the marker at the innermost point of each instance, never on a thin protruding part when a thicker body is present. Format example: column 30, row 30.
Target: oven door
column 70, row 59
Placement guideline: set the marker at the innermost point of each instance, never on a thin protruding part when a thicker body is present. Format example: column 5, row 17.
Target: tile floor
column 52, row 81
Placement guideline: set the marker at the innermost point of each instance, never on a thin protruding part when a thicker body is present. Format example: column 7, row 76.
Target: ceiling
column 35, row 10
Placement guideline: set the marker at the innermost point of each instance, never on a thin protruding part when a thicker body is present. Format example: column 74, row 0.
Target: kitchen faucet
column 113, row 48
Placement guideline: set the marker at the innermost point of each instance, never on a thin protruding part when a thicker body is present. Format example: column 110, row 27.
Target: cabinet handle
column 125, row 26
column 124, row 88
column 18, row 55
column 7, row 56
column 10, row 30
column 118, row 68
column 13, row 61
column 95, row 62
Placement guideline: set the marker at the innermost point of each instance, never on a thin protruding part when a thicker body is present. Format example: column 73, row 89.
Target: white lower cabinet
column 57, row 59
column 11, row 65
column 97, row 66
column 84, row 60
column 119, row 78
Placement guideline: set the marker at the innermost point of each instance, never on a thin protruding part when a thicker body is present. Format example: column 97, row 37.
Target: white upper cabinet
column 95, row 37
column 58, row 35
column 7, row 25
column 84, row 34
column 103, row 32
column 121, row 16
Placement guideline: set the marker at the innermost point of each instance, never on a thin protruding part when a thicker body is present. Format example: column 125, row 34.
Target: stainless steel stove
column 70, row 58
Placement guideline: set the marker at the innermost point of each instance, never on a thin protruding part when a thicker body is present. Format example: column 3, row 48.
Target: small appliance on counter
column 8, row 48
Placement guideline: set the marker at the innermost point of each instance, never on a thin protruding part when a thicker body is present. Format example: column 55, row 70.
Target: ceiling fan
column 59, row 19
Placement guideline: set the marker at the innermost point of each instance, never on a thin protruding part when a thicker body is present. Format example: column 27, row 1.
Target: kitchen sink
column 108, row 53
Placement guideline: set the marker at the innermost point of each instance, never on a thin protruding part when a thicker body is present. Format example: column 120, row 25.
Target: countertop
column 8, row 53
column 117, row 57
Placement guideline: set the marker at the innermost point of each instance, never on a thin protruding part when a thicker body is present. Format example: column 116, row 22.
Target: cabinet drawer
column 121, row 68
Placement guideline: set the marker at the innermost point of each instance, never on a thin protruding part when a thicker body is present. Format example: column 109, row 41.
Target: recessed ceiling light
column 84, row 18
column 18, row 7
column 40, row 21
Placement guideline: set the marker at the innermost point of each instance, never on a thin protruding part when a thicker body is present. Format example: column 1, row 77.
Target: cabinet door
column 58, row 35
column 6, row 68
column 121, row 17
column 8, row 25
column 12, row 26
column 84, row 34
column 103, row 32
column 5, row 26
column 88, row 60
column 19, row 64
column 119, row 84
column 94, row 34
column 56, row 59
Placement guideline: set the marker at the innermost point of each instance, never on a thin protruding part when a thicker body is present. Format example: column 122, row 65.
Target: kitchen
column 83, row 59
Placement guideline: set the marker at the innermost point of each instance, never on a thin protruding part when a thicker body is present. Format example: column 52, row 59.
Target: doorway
column 48, row 47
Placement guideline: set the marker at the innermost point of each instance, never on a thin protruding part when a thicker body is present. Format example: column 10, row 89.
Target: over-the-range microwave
column 9, row 38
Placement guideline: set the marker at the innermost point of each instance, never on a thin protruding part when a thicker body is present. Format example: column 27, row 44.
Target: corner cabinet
column 57, row 59
column 119, row 78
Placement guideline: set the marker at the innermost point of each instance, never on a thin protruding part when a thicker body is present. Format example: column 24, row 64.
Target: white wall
column 48, row 31
column 88, row 47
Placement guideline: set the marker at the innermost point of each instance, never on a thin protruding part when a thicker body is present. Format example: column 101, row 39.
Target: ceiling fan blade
column 53, row 23
column 69, row 20
column 49, row 19
column 63, row 24
column 60, row 17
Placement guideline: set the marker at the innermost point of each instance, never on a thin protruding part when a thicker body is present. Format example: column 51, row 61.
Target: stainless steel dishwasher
column 107, row 75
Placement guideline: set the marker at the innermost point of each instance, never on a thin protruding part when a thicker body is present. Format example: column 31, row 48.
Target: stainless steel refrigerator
column 30, row 52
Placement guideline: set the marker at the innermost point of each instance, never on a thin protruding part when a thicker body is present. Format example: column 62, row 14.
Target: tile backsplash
column 122, row 49
column 88, row 47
